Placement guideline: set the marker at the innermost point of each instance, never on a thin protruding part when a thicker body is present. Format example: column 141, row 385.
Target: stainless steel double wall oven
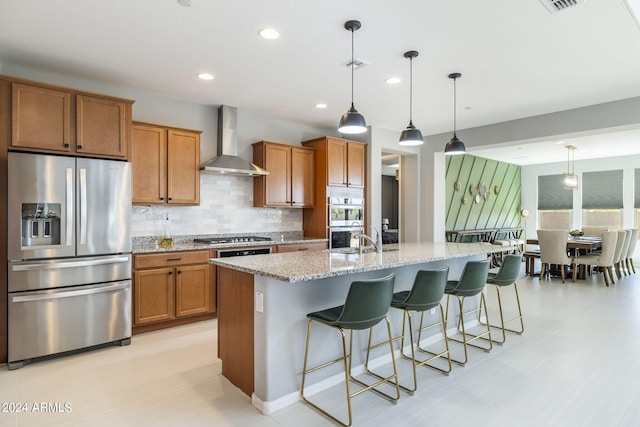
column 69, row 254
column 346, row 218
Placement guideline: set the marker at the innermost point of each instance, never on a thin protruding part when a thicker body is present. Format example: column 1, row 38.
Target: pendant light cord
column 455, row 98
column 411, row 90
column 352, row 67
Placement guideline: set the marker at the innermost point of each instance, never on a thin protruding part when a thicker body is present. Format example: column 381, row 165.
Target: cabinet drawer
column 167, row 259
column 316, row 246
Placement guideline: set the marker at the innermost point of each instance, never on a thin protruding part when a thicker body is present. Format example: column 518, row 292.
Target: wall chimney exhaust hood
column 227, row 160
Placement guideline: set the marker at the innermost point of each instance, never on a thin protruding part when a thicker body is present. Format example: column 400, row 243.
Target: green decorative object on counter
column 166, row 242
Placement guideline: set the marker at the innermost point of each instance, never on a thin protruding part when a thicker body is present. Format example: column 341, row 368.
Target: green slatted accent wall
column 500, row 210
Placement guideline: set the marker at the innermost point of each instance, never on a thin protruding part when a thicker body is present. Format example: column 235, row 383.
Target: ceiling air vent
column 556, row 6
column 356, row 63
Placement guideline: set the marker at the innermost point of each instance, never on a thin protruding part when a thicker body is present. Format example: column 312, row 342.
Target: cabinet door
column 148, row 164
column 41, row 118
column 336, row 163
column 355, row 167
column 183, row 167
column 101, row 126
column 153, row 295
column 302, row 177
column 278, row 182
column 193, row 294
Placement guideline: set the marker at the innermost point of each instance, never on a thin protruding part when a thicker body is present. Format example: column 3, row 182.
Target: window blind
column 602, row 190
column 552, row 195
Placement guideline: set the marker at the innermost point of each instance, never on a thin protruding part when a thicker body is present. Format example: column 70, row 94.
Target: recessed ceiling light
column 321, row 105
column 269, row 33
column 205, row 76
column 393, row 80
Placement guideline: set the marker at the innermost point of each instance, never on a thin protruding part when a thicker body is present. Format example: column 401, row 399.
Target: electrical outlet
column 259, row 302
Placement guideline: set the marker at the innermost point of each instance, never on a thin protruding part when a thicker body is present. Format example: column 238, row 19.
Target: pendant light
column 352, row 122
column 411, row 135
column 570, row 178
column 454, row 146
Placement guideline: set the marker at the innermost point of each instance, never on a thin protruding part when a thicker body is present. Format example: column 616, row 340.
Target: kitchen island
column 264, row 300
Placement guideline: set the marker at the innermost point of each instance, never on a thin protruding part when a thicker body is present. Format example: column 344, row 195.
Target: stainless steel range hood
column 227, row 160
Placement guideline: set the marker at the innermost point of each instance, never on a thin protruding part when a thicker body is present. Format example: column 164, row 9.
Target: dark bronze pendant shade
column 352, row 122
column 454, row 146
column 411, row 135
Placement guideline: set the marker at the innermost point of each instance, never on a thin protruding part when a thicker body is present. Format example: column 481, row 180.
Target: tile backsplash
column 226, row 206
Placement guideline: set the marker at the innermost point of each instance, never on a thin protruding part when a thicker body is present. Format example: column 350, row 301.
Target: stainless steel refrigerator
column 69, row 254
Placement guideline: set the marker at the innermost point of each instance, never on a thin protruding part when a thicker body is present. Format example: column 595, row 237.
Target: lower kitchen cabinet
column 171, row 288
column 297, row 247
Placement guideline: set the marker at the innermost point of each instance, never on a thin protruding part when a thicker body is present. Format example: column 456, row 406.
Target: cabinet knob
column 170, row 273
column 66, row 145
column 179, row 272
column 80, row 147
column 161, row 198
column 170, row 198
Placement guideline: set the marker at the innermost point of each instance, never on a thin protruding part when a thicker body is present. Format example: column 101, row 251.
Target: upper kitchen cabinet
column 165, row 165
column 58, row 120
column 290, row 182
column 345, row 161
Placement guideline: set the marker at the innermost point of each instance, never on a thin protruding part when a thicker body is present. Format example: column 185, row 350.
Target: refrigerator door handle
column 83, row 206
column 69, row 209
column 68, row 264
column 66, row 294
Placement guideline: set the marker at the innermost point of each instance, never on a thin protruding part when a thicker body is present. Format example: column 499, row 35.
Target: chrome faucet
column 377, row 244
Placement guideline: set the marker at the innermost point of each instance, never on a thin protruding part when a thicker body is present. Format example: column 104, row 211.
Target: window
column 555, row 203
column 602, row 199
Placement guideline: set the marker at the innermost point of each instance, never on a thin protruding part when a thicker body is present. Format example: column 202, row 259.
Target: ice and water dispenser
column 40, row 224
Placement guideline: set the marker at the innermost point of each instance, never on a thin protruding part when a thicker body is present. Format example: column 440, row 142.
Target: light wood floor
column 577, row 364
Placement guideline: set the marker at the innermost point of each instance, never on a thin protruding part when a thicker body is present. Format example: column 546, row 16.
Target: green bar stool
column 425, row 294
column 507, row 276
column 471, row 283
column 367, row 303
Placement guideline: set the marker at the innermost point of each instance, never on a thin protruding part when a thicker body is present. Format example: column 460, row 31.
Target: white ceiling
column 517, row 59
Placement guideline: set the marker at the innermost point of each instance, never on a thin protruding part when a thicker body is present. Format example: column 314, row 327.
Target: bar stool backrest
column 367, row 303
column 473, row 279
column 509, row 271
column 428, row 289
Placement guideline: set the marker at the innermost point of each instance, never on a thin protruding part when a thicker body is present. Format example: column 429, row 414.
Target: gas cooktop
column 241, row 239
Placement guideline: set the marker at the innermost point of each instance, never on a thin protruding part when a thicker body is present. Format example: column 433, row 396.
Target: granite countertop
column 312, row 265
column 152, row 246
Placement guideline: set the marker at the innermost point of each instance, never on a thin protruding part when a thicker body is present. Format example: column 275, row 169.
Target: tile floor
column 577, row 364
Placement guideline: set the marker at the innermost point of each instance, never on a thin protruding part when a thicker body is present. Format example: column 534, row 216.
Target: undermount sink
column 365, row 250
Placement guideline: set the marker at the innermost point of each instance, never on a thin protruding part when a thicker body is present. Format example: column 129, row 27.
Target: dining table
column 576, row 246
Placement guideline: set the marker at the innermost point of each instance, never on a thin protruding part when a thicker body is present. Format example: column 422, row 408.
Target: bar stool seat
column 471, row 283
column 366, row 305
column 426, row 293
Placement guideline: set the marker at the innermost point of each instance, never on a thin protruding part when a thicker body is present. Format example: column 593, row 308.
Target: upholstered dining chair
column 604, row 259
column 553, row 250
column 621, row 266
column 622, row 234
column 631, row 250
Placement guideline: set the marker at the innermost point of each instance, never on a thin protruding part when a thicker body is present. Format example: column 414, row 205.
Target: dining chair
column 553, row 250
column 604, row 259
column 623, row 256
column 631, row 250
column 618, row 252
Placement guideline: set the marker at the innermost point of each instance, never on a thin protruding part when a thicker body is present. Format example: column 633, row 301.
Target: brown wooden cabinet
column 51, row 119
column 345, row 163
column 165, row 164
column 172, row 288
column 290, row 182
column 340, row 171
